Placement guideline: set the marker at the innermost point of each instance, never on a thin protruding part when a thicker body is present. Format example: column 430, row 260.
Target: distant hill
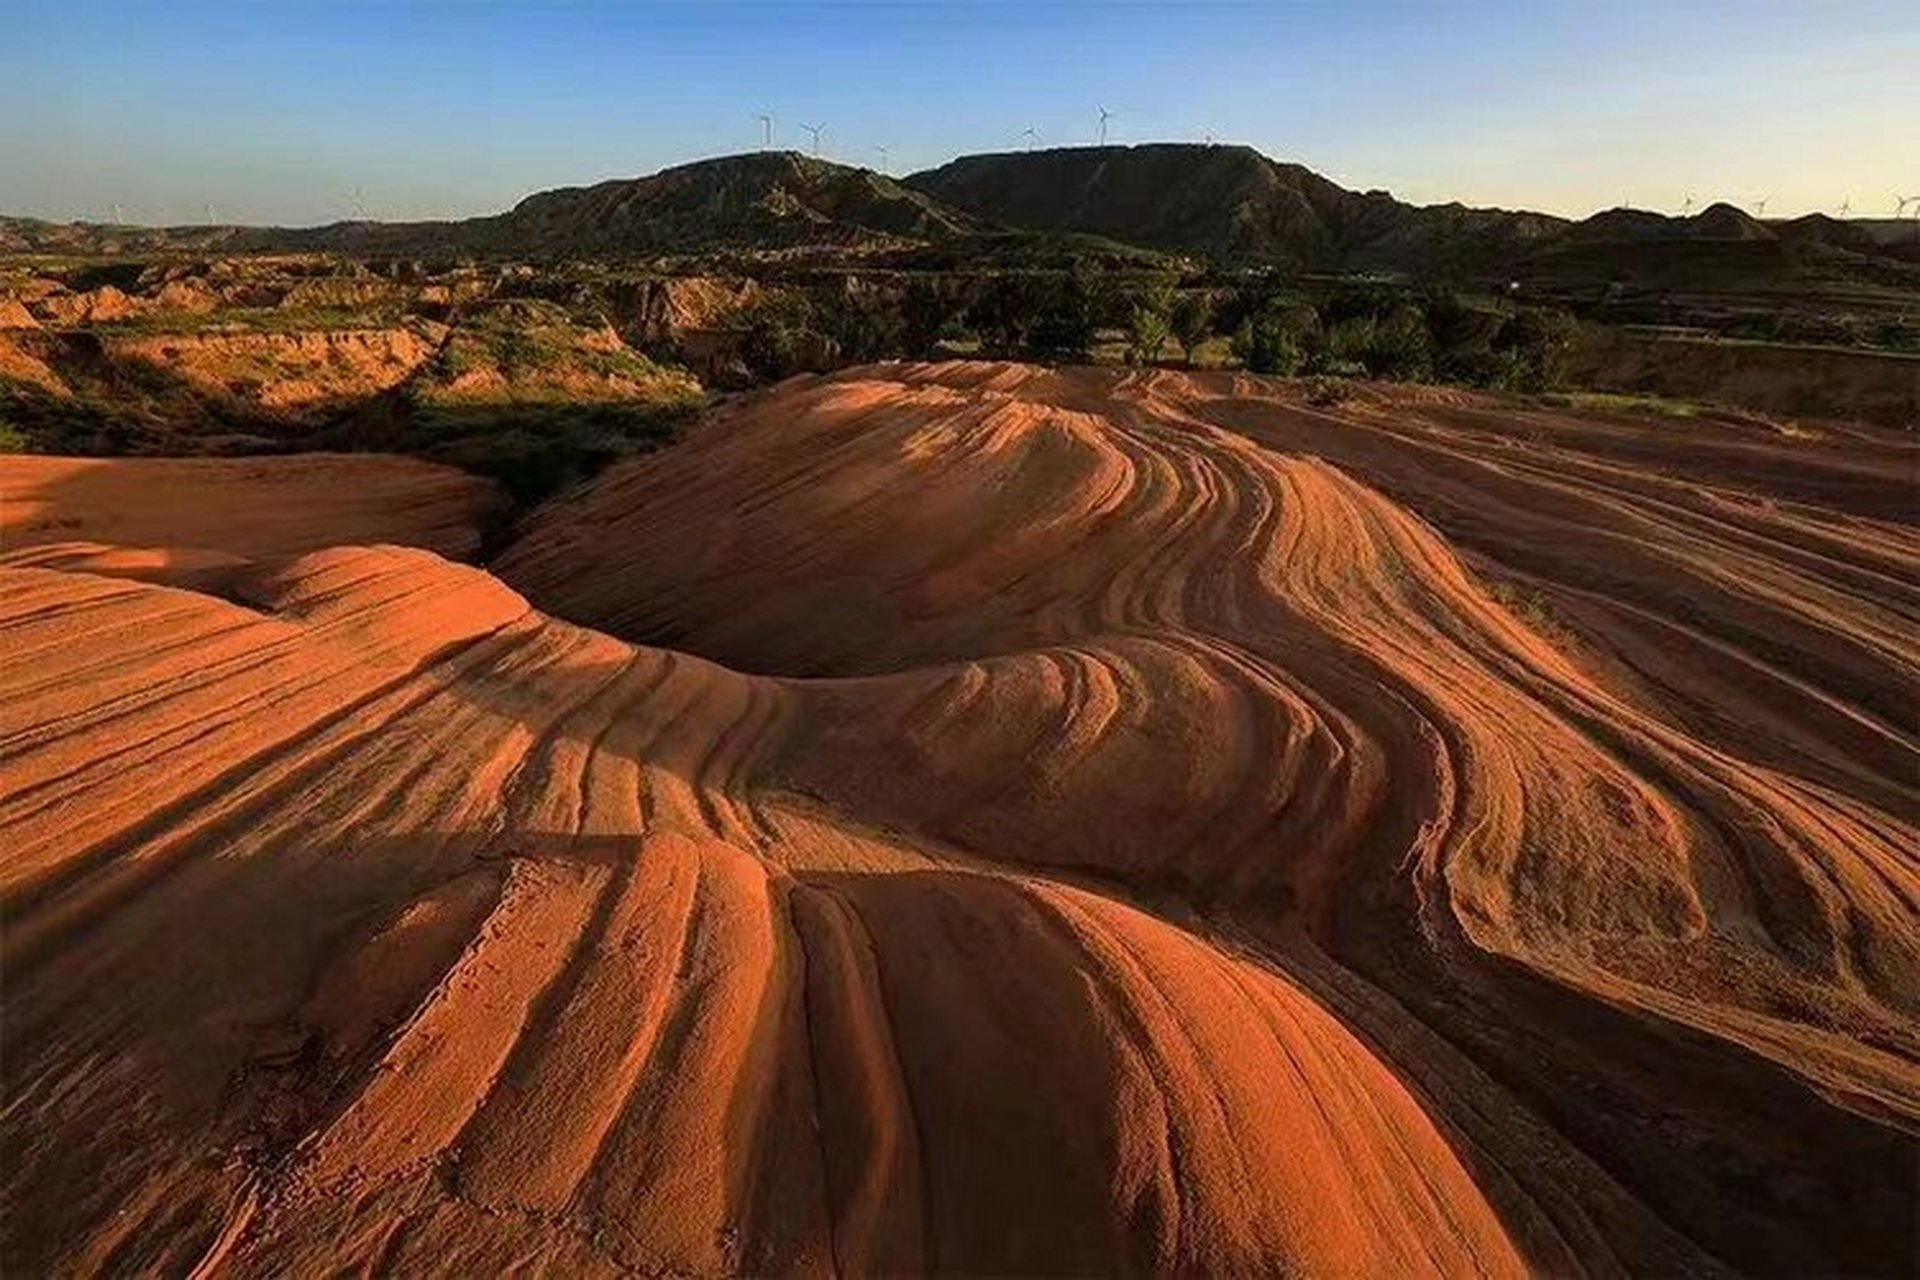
column 1719, row 249
column 39, row 236
column 1717, row 222
column 772, row 199
column 1115, row 205
column 1818, row 228
column 1233, row 204
column 768, row 200
column 1224, row 202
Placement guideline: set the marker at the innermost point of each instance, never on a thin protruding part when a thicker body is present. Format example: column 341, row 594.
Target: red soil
column 1174, row 826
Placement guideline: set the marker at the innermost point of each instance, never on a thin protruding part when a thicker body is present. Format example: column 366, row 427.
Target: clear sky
column 279, row 111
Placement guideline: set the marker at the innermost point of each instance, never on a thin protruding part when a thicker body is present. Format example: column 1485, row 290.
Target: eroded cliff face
column 457, row 364
column 289, row 373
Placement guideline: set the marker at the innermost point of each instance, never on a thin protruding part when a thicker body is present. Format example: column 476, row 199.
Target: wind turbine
column 1760, row 206
column 1030, row 137
column 766, row 130
column 1902, row 208
column 1686, row 206
column 883, row 158
column 816, row 130
column 1846, row 206
column 1105, row 115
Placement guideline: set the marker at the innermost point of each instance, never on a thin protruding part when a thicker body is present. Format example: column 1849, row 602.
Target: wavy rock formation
column 1142, row 823
column 191, row 521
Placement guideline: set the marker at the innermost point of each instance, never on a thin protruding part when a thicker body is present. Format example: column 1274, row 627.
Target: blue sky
column 280, row 110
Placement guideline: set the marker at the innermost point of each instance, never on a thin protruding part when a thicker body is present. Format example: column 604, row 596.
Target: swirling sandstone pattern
column 196, row 521
column 1112, row 823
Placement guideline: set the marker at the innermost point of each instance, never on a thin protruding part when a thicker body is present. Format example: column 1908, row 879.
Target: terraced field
column 992, row 820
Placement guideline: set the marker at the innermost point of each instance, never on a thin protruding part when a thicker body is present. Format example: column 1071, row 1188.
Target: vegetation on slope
column 540, row 375
column 524, row 394
column 1227, row 203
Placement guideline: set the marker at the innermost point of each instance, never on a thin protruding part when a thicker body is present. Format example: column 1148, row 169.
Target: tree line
column 1369, row 330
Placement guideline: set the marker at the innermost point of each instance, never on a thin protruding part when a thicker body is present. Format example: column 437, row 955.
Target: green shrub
column 933, row 309
column 1347, row 345
column 863, row 321
column 780, row 335
column 1065, row 321
column 1401, row 346
column 1896, row 335
column 1192, row 321
column 1148, row 329
column 537, row 450
column 1276, row 341
column 1535, row 342
column 1004, row 311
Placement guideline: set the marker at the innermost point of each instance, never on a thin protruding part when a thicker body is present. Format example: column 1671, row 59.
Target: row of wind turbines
column 355, row 203
column 1844, row 209
column 1029, row 137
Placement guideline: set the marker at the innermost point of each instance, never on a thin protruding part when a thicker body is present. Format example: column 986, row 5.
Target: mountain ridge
column 1225, row 203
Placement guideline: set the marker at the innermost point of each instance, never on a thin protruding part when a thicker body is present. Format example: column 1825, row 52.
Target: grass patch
column 1616, row 402
column 1531, row 607
column 250, row 320
column 141, row 412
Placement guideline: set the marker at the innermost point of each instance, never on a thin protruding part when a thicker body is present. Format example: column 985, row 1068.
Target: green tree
column 780, row 335
column 1536, row 342
column 1148, row 328
column 1347, row 345
column 1192, row 321
column 1005, row 310
column 1462, row 338
column 1401, row 346
column 931, row 309
column 866, row 322
column 1278, row 339
column 1065, row 318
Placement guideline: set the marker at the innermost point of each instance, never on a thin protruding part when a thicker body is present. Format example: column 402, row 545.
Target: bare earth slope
column 1170, row 825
